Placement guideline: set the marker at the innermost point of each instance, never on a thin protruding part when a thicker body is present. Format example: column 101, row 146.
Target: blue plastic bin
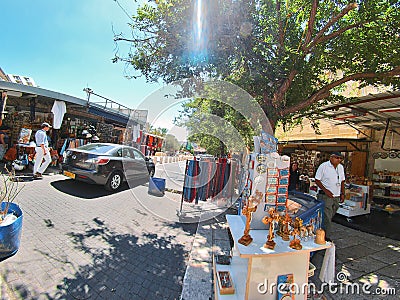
column 10, row 235
column 156, row 186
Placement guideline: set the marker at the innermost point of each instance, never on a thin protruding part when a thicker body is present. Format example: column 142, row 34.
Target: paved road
column 81, row 242
column 173, row 174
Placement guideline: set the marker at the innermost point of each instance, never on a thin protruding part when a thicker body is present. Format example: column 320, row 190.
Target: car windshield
column 97, row 148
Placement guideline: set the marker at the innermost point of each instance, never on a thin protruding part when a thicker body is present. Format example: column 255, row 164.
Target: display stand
column 386, row 190
column 255, row 269
column 356, row 201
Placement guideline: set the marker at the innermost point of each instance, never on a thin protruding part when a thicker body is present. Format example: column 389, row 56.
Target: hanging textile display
column 206, row 168
column 205, row 179
column 189, row 186
column 59, row 109
column 3, row 102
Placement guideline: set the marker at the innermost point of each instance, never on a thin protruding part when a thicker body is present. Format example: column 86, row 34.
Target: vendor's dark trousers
column 330, row 209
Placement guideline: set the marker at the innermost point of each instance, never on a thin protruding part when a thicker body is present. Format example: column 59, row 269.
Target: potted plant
column 10, row 214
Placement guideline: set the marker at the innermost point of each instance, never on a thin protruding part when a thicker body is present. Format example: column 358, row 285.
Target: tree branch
column 123, row 39
column 266, row 99
column 334, row 19
column 325, row 91
column 278, row 96
column 117, row 39
column 280, row 26
column 332, row 35
column 311, row 22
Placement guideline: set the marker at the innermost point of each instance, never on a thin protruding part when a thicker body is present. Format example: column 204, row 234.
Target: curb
column 211, row 238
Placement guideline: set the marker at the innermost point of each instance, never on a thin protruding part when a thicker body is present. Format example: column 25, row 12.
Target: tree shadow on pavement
column 122, row 267
column 90, row 191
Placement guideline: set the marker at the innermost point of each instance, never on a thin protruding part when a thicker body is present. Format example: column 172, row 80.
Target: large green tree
column 286, row 54
column 170, row 144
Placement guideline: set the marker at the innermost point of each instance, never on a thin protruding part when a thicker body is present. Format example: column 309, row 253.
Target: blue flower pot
column 10, row 235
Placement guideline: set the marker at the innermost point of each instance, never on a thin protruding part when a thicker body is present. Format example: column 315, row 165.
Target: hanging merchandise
column 189, row 186
column 24, row 136
column 136, row 133
column 105, row 132
column 3, row 102
column 59, row 109
column 210, row 181
column 64, row 147
column 272, row 182
column 207, row 178
column 207, row 169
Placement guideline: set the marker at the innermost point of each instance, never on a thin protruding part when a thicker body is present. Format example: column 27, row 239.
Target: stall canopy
column 28, row 92
column 377, row 111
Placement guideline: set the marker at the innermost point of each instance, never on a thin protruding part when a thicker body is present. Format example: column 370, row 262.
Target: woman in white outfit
column 42, row 151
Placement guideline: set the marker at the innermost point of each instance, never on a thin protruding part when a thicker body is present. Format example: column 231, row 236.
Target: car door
column 128, row 161
column 140, row 164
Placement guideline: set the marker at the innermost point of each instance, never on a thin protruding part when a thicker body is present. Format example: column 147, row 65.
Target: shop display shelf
column 387, row 184
column 390, row 211
column 395, row 198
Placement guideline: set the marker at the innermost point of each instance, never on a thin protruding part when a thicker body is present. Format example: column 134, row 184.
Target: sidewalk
column 51, row 170
column 82, row 242
column 361, row 257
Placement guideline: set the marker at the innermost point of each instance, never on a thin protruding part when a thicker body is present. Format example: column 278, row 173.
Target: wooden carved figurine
column 279, row 232
column 284, row 232
column 320, row 236
column 310, row 228
column 307, row 231
column 247, row 211
column 295, row 243
column 303, row 232
column 270, row 220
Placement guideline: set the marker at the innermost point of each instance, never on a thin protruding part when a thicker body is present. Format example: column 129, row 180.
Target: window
column 126, row 153
column 138, row 155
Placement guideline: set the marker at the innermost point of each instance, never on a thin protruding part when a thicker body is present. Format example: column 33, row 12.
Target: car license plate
column 69, row 174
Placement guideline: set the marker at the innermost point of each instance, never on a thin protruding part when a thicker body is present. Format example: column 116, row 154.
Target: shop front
column 367, row 132
column 75, row 121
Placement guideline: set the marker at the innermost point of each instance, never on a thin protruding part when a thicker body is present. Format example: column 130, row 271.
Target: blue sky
column 67, row 45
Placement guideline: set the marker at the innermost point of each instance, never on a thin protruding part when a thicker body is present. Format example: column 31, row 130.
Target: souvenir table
column 254, row 268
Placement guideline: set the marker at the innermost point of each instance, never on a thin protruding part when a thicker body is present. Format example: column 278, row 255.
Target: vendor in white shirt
column 330, row 181
column 42, row 158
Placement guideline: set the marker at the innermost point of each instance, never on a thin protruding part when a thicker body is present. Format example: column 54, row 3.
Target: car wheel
column 114, row 182
column 151, row 173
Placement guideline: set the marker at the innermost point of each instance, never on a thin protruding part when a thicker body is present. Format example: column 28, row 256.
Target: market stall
column 274, row 233
column 75, row 121
column 386, row 184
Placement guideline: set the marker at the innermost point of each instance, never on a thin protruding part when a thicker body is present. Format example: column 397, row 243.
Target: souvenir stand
column 23, row 125
column 273, row 234
column 356, row 201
